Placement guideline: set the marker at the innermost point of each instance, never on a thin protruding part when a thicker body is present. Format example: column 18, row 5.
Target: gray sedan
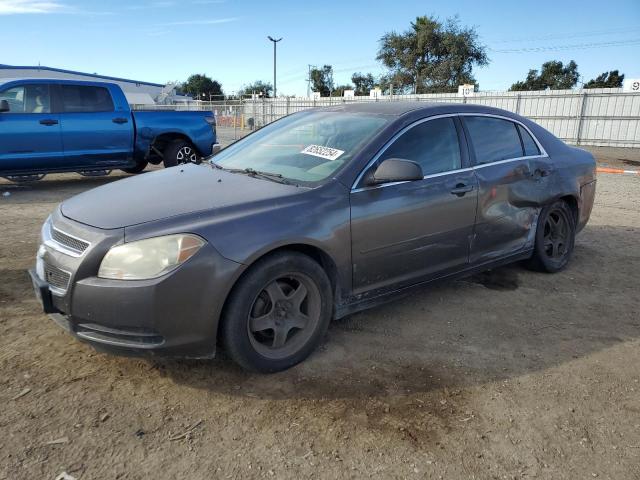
column 316, row 216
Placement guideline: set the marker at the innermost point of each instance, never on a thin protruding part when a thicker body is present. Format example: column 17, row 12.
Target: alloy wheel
column 284, row 315
column 187, row 155
column 556, row 234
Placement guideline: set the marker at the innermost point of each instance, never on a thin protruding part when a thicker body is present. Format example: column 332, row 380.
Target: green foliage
column 431, row 56
column 259, row 87
column 198, row 84
column 553, row 76
column 338, row 91
column 611, row 79
column 363, row 83
column 322, row 80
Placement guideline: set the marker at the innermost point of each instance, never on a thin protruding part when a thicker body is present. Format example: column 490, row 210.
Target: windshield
column 305, row 147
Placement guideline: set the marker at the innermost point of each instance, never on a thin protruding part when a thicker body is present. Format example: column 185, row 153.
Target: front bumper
column 175, row 315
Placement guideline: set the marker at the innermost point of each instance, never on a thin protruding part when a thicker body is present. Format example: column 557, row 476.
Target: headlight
column 149, row 258
column 45, row 230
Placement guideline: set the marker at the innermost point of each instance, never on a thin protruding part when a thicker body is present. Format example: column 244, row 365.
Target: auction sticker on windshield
column 323, row 152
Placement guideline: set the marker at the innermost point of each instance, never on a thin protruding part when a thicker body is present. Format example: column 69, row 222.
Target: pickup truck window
column 28, row 99
column 85, row 99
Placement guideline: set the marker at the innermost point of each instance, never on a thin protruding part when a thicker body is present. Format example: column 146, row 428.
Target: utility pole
column 309, row 82
column 275, row 91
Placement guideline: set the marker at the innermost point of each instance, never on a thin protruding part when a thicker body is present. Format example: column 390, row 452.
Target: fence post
column 287, row 105
column 583, row 103
column 518, row 103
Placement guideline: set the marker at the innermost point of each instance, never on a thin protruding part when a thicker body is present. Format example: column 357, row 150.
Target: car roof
column 402, row 107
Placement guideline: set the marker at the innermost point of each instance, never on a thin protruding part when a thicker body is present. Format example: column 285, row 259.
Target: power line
column 562, row 36
column 577, row 46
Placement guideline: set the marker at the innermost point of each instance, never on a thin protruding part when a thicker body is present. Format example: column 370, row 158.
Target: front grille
column 68, row 241
column 56, row 277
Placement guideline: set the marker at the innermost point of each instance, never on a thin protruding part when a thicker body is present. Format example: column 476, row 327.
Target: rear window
column 529, row 145
column 85, row 99
column 493, row 139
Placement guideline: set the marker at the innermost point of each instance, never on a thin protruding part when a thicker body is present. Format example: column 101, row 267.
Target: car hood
column 168, row 193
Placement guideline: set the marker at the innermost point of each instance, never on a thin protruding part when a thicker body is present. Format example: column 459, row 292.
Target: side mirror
column 4, row 106
column 395, row 170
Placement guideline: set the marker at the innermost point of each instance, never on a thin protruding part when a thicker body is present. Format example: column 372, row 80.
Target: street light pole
column 275, row 91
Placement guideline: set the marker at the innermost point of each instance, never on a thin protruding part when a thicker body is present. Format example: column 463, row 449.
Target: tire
column 179, row 152
column 139, row 167
column 555, row 238
column 263, row 335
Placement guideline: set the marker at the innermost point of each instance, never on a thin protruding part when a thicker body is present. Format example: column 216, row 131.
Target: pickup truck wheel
column 179, row 152
column 278, row 313
column 140, row 166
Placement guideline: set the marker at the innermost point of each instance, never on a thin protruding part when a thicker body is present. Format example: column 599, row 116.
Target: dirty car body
column 476, row 207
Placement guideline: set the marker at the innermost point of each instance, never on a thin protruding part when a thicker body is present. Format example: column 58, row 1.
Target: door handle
column 119, row 120
column 461, row 189
column 48, row 122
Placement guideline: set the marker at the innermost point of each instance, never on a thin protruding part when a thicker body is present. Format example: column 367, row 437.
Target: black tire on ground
column 140, row 166
column 278, row 313
column 180, row 151
column 555, row 238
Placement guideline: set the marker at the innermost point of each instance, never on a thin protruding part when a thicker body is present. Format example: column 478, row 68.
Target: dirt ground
column 506, row 375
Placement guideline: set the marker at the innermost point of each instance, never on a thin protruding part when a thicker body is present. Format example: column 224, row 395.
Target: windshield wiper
column 274, row 177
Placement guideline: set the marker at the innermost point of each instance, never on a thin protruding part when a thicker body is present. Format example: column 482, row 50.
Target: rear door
column 406, row 232
column 94, row 134
column 30, row 137
column 506, row 213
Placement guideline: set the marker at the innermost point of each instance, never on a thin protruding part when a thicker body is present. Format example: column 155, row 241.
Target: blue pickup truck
column 51, row 126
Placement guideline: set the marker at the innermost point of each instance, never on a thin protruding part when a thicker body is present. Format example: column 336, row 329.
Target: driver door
column 30, row 137
column 407, row 232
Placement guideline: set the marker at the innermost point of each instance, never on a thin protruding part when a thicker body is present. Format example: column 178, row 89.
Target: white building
column 137, row 92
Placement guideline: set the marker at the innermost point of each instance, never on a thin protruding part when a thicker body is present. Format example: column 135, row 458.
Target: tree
column 338, row 91
column 431, row 56
column 322, row 80
column 611, row 79
column 259, row 87
column 363, row 83
column 553, row 76
column 198, row 84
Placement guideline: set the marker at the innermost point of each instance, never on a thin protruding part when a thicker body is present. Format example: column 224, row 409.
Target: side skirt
column 360, row 305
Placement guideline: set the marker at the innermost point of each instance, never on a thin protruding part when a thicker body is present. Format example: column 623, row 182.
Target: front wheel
column 139, row 167
column 278, row 313
column 179, row 152
column 555, row 238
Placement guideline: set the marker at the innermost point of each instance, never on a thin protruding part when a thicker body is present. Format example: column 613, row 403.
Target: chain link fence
column 605, row 117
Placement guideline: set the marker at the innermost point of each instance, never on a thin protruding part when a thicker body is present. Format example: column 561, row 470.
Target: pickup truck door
column 30, row 136
column 94, row 133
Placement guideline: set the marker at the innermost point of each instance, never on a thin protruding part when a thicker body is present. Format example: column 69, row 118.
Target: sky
column 167, row 40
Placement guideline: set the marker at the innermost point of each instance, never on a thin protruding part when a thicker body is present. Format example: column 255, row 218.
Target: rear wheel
column 179, row 152
column 278, row 313
column 555, row 238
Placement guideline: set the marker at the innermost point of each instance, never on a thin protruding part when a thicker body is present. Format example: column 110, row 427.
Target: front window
column 305, row 147
column 27, row 99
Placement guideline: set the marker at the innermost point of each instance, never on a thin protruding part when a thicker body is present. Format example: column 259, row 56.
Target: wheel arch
column 317, row 254
column 163, row 139
column 572, row 201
